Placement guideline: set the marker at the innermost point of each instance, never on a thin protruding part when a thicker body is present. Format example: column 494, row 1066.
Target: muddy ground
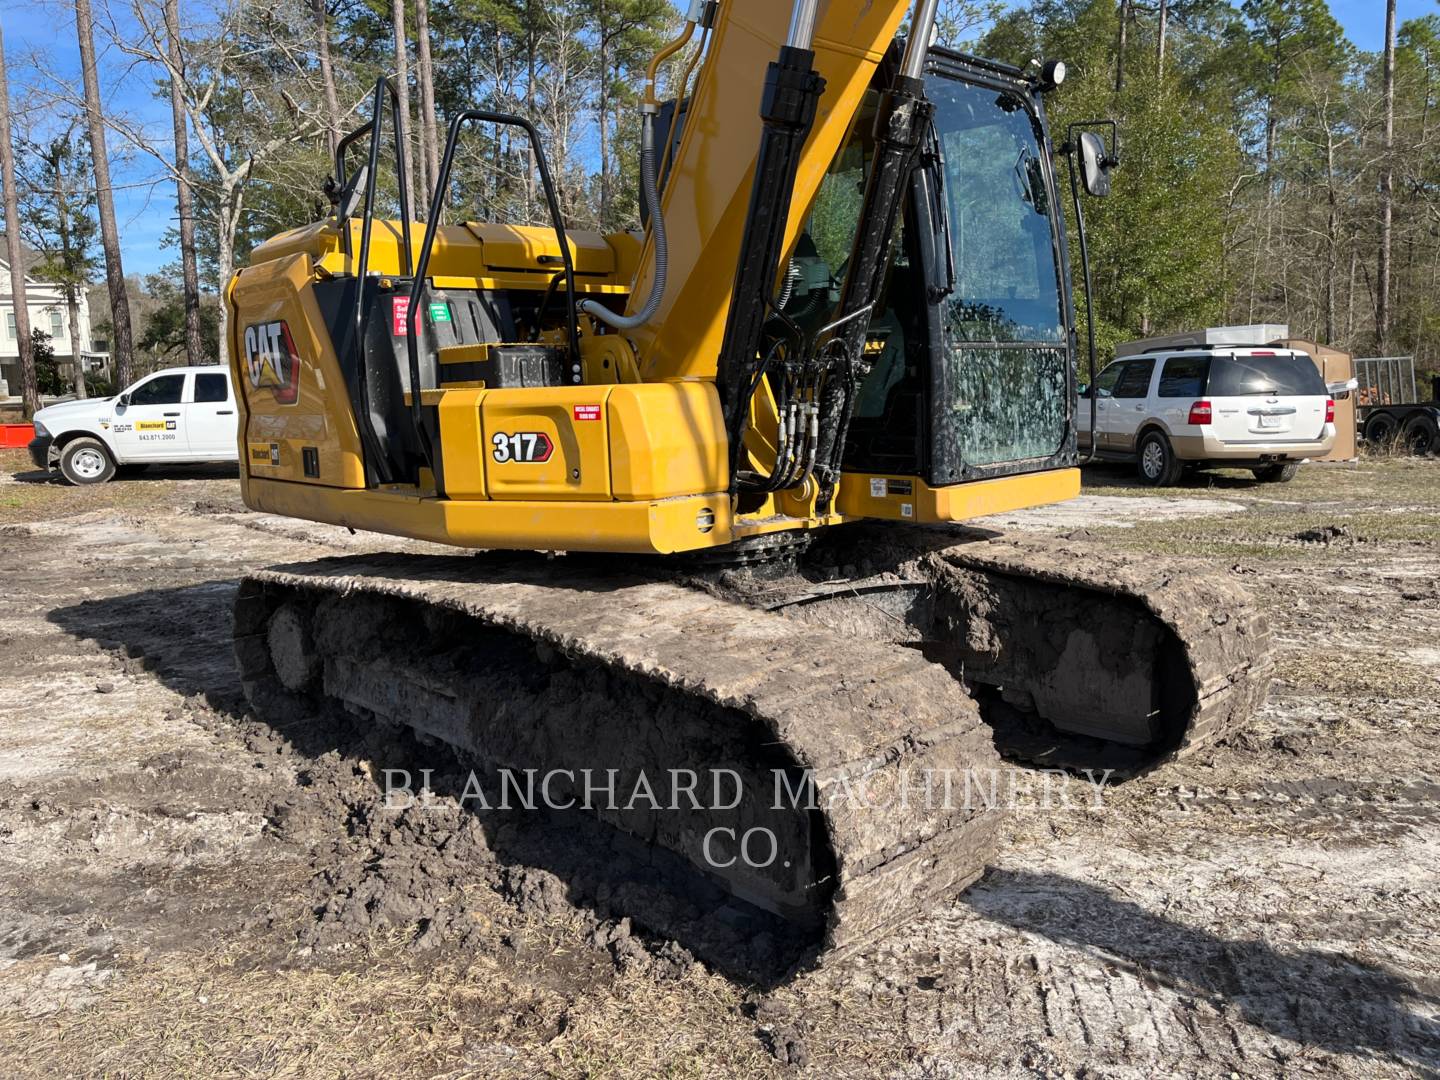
column 187, row 891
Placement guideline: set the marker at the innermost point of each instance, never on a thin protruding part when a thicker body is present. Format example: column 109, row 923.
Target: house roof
column 29, row 257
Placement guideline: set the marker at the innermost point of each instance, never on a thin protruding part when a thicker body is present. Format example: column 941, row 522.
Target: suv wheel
column 1277, row 474
column 86, row 461
column 1156, row 461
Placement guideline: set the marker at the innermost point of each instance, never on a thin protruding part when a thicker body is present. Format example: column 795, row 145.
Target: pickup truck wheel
column 1155, row 461
column 1421, row 436
column 86, row 461
column 1277, row 474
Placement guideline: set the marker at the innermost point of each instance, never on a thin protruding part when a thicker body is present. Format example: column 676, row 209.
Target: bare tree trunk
column 72, row 302
column 1120, row 46
column 402, row 88
column 1160, row 36
column 429, row 123
column 1350, row 303
column 184, row 198
column 232, row 201
column 1332, row 240
column 327, row 73
column 532, row 47
column 122, row 347
column 72, row 316
column 1387, row 189
column 29, row 389
column 603, row 114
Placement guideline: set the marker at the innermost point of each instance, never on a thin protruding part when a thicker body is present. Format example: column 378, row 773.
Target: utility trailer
column 1388, row 407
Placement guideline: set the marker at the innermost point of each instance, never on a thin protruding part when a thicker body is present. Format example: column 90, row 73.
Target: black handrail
column 375, row 128
column 432, row 226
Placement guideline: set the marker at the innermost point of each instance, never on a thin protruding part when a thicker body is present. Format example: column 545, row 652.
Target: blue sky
column 40, row 46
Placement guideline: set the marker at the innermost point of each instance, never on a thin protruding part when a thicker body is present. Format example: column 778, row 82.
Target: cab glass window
column 1134, row 382
column 1007, row 382
column 211, row 388
column 161, row 390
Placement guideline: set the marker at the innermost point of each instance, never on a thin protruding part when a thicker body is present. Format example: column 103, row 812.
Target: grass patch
column 29, row 494
column 384, row 1013
column 1382, row 501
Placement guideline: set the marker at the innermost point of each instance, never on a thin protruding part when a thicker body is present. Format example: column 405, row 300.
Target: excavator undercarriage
column 857, row 770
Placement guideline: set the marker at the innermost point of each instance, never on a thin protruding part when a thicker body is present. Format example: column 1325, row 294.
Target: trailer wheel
column 1380, row 430
column 1421, row 436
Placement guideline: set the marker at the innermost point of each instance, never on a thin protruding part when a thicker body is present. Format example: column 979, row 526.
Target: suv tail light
column 1199, row 413
column 1330, row 410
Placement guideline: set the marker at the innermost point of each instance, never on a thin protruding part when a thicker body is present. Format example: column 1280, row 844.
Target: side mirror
column 353, row 197
column 123, row 399
column 1095, row 164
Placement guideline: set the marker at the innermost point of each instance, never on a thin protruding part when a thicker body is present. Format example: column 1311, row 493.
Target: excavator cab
column 971, row 338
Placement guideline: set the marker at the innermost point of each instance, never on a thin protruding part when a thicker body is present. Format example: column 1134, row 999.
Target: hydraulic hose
column 650, row 187
column 649, row 191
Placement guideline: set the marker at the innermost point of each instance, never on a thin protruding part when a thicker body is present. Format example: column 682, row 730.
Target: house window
column 10, row 325
column 57, row 326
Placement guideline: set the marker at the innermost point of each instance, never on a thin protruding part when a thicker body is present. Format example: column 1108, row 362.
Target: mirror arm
column 1071, row 150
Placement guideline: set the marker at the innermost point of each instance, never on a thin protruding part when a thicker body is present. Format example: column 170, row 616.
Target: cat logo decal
column 272, row 361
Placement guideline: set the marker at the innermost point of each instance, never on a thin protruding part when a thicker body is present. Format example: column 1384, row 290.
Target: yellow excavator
column 711, row 471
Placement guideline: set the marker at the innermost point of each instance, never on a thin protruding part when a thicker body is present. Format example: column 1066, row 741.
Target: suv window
column 1135, row 381
column 1241, row 376
column 211, row 388
column 161, row 390
column 1184, row 376
column 1105, row 381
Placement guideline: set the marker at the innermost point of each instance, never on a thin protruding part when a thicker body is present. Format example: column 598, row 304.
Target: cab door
column 149, row 420
column 210, row 417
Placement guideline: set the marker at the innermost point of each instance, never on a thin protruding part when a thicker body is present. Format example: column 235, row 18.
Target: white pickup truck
column 176, row 415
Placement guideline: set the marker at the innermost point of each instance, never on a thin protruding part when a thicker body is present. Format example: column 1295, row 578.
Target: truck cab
column 176, row 415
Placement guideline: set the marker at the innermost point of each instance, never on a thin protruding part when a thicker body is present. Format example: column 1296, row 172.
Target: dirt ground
column 183, row 889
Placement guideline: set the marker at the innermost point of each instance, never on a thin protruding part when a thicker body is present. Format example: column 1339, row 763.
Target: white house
column 46, row 302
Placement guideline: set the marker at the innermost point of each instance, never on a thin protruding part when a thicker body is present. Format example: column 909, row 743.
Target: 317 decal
column 529, row 446
column 272, row 361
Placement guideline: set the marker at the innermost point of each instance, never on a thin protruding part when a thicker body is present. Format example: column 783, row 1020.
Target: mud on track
column 184, row 889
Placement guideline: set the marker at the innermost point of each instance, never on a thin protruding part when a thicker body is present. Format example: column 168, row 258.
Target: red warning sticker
column 401, row 313
column 587, row 412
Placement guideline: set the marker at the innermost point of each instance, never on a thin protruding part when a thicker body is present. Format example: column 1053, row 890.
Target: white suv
column 176, row 415
column 1261, row 408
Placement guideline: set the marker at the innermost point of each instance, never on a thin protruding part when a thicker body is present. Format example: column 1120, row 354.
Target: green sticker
column 439, row 312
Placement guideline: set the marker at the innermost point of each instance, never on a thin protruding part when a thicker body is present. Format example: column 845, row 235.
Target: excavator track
column 1082, row 658
column 852, row 740
column 524, row 664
